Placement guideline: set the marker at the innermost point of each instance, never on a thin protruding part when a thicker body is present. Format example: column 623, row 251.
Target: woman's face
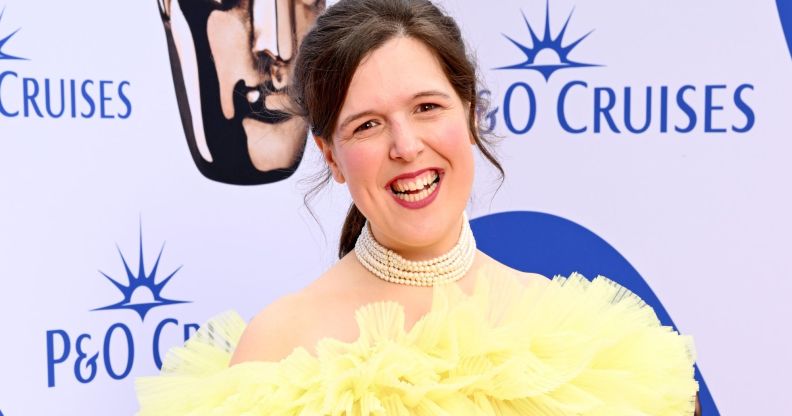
column 403, row 147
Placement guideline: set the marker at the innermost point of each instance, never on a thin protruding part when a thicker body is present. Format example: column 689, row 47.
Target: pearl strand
column 392, row 267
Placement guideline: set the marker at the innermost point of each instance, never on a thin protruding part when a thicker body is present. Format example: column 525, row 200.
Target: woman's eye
column 426, row 107
column 365, row 126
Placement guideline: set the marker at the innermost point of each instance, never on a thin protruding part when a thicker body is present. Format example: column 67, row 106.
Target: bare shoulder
column 530, row 280
column 300, row 319
column 271, row 335
column 533, row 280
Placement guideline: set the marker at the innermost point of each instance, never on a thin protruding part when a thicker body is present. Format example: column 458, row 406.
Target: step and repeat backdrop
column 150, row 178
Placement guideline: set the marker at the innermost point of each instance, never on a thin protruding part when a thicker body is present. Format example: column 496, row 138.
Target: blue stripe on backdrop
column 785, row 13
column 551, row 245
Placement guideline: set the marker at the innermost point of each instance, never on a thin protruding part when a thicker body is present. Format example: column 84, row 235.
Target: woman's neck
column 423, row 252
column 391, row 266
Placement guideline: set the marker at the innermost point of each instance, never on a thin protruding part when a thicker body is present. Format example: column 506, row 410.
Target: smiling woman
column 413, row 319
column 404, row 131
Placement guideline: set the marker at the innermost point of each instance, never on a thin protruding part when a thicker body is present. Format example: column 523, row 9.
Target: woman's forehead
column 395, row 73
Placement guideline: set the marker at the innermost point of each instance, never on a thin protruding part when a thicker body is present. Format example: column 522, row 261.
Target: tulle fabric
column 573, row 347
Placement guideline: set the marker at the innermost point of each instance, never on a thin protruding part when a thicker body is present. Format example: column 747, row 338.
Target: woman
column 413, row 320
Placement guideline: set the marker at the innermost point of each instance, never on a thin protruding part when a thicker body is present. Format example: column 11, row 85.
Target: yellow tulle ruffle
column 574, row 347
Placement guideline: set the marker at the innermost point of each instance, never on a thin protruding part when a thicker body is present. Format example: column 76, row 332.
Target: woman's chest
column 337, row 318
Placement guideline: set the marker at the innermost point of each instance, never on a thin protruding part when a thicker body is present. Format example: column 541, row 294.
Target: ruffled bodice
column 572, row 347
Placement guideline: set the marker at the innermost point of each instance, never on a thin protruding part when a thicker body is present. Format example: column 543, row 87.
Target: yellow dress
column 572, row 347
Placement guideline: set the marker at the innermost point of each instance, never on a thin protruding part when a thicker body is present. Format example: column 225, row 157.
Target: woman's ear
column 327, row 152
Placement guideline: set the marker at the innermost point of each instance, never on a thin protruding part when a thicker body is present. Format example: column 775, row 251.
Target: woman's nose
column 272, row 31
column 406, row 142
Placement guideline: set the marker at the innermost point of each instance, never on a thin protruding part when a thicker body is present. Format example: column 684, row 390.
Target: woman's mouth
column 416, row 190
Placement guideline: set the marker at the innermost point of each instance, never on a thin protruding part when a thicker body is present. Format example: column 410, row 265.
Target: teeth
column 418, row 196
column 414, row 184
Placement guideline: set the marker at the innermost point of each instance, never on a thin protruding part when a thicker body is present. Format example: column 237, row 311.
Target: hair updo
column 348, row 31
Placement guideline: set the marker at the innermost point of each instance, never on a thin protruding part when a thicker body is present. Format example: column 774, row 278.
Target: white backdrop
column 703, row 216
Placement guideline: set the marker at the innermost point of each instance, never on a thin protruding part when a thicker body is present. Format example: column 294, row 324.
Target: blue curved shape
column 551, row 245
column 785, row 13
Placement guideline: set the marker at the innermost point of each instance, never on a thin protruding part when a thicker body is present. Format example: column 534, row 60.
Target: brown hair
column 343, row 36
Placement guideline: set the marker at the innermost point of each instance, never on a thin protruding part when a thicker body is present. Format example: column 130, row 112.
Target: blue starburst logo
column 548, row 54
column 5, row 40
column 141, row 292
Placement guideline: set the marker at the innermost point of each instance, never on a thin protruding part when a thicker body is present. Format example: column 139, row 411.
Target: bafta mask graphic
column 231, row 63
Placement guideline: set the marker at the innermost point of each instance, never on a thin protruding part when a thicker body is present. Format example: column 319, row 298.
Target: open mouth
column 417, row 188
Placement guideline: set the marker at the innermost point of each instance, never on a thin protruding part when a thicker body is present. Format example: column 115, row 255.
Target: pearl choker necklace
column 392, row 267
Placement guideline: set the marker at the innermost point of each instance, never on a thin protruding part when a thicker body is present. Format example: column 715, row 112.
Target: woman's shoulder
column 528, row 279
column 272, row 331
column 298, row 319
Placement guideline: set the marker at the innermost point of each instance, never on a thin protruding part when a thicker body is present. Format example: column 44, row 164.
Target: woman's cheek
column 455, row 142
column 360, row 166
column 451, row 126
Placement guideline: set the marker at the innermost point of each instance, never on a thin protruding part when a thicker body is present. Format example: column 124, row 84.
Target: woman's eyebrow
column 431, row 93
column 427, row 93
column 355, row 116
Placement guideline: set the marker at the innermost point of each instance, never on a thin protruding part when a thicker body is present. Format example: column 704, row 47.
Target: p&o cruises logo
column 24, row 95
column 141, row 293
column 547, row 45
column 141, row 283
column 635, row 110
column 4, row 55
